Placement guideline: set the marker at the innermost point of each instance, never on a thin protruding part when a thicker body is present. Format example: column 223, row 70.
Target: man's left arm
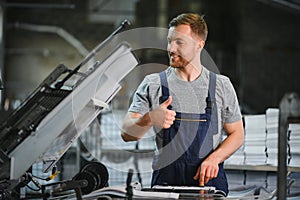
column 209, row 168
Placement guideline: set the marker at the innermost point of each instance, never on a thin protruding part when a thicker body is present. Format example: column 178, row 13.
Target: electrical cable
column 51, row 177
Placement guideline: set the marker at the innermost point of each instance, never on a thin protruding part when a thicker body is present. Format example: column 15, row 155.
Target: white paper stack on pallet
column 272, row 117
column 271, row 181
column 257, row 178
column 238, row 158
column 236, row 179
column 294, row 145
column 255, row 139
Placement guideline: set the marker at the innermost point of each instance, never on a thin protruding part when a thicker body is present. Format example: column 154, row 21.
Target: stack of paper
column 294, row 145
column 236, row 179
column 271, row 181
column 272, row 117
column 255, row 139
column 257, row 178
column 120, row 191
column 295, row 186
column 238, row 158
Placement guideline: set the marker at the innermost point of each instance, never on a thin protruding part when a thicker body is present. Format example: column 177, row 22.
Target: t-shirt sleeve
column 146, row 95
column 231, row 109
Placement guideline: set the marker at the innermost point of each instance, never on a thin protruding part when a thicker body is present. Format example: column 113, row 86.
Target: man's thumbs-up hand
column 161, row 116
column 166, row 103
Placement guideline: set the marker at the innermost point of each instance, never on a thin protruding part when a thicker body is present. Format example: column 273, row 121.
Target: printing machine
column 46, row 124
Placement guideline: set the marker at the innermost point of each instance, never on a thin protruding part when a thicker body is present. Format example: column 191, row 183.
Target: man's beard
column 180, row 62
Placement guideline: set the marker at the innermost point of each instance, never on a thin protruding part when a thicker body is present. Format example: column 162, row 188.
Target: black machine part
column 4, row 192
column 96, row 174
column 24, row 120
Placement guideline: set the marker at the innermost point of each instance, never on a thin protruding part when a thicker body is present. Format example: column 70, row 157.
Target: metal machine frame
column 47, row 123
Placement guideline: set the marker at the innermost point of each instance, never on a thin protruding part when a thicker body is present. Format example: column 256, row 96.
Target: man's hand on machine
column 206, row 171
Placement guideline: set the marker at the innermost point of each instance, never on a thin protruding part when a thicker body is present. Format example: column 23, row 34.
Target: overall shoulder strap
column 164, row 87
column 164, row 83
column 212, row 85
column 212, row 112
column 211, row 90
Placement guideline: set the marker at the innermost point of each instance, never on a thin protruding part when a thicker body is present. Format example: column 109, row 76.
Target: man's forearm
column 233, row 142
column 135, row 126
column 227, row 148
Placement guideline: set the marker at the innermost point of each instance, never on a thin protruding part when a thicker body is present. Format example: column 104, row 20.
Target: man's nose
column 172, row 47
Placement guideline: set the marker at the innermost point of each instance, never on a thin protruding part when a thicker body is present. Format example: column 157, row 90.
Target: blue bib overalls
column 187, row 143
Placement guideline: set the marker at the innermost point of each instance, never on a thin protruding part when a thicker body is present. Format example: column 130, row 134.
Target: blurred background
column 255, row 43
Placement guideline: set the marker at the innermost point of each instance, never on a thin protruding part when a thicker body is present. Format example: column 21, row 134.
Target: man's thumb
column 166, row 103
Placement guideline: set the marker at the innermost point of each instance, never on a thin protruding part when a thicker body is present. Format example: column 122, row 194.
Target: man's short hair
column 195, row 21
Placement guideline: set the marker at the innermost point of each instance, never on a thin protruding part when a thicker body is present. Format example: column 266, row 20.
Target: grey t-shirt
column 188, row 97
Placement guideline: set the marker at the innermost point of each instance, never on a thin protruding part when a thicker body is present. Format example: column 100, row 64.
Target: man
column 188, row 106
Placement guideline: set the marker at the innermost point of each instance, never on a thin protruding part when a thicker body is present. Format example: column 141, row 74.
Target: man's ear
column 201, row 44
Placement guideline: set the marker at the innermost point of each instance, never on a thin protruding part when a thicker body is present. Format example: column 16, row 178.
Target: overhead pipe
column 56, row 30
